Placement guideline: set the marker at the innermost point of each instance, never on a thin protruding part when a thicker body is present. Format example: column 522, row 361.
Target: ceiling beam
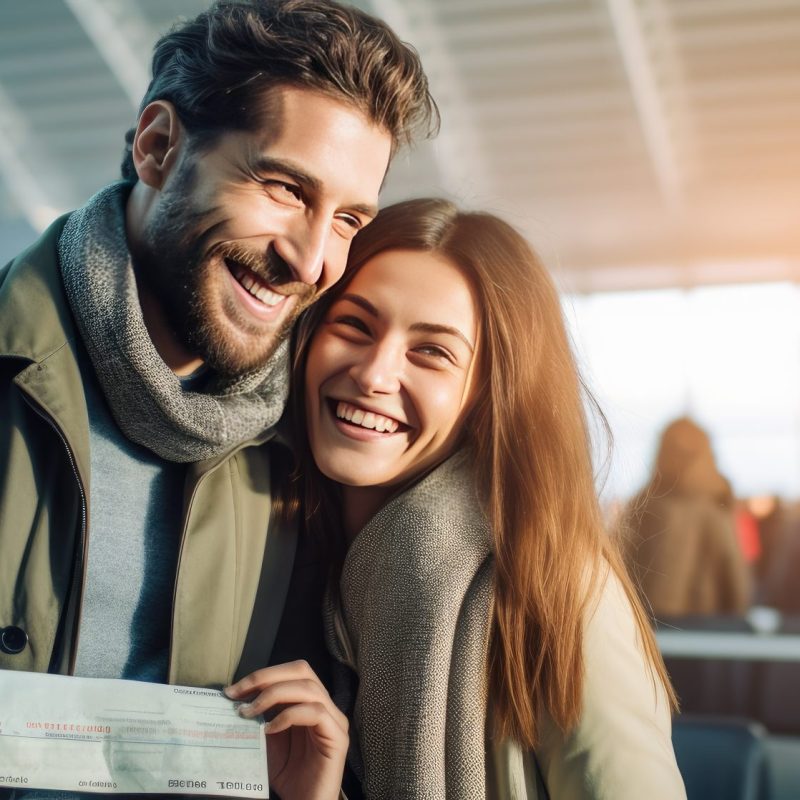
column 647, row 98
column 687, row 274
column 123, row 38
column 722, row 11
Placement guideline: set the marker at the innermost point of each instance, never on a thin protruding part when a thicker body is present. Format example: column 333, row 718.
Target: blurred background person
column 681, row 538
column 778, row 567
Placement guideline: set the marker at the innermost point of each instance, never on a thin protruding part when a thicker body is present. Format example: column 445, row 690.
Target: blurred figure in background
column 680, row 530
column 779, row 565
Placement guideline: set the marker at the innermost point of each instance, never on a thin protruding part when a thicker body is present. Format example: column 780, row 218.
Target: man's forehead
column 323, row 142
column 283, row 107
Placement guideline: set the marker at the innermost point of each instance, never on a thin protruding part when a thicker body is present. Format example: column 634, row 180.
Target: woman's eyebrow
column 362, row 302
column 431, row 327
column 426, row 327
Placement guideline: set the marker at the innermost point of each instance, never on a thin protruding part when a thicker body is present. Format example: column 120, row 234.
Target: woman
column 499, row 647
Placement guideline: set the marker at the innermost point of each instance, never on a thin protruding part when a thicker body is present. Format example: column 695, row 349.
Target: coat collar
column 38, row 330
column 36, row 317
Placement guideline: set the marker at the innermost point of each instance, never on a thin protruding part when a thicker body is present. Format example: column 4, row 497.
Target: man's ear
column 156, row 143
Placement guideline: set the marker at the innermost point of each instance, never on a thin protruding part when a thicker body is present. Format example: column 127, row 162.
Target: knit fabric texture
column 146, row 398
column 415, row 600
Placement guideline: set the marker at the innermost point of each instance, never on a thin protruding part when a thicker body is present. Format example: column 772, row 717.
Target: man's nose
column 305, row 249
column 378, row 369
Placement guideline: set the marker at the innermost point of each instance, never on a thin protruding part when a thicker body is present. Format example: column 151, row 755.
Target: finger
column 327, row 733
column 293, row 692
column 261, row 678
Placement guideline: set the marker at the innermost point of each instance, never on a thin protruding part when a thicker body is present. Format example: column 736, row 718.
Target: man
column 143, row 344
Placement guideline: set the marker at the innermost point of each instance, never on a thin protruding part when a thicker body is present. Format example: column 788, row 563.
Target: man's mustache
column 269, row 266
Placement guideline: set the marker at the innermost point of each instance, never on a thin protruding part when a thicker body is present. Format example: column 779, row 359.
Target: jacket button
column 13, row 640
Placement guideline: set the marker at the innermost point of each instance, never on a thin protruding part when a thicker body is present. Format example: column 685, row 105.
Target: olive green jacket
column 233, row 569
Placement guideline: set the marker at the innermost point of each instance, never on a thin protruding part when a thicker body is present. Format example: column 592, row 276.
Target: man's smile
column 253, row 283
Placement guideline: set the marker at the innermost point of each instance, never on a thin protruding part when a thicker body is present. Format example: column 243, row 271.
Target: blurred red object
column 748, row 535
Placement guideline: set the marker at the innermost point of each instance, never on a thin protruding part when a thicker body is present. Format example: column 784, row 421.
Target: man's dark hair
column 216, row 68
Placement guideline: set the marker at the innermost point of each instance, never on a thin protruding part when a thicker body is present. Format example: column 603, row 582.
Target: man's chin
column 232, row 343
column 233, row 360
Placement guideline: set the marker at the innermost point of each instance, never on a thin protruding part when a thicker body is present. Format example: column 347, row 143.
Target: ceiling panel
column 620, row 135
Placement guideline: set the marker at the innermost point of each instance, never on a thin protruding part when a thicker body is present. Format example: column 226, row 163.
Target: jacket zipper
column 83, row 533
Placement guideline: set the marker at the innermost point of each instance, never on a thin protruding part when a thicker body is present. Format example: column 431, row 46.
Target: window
column 727, row 356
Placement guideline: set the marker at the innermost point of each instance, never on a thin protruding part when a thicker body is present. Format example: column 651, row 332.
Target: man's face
column 245, row 234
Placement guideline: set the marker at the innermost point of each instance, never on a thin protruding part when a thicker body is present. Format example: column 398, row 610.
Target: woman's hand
column 307, row 738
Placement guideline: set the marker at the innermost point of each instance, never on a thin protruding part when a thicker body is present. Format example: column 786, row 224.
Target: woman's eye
column 433, row 351
column 349, row 321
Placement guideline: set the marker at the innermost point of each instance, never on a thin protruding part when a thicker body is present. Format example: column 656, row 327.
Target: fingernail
column 228, row 691
column 246, row 709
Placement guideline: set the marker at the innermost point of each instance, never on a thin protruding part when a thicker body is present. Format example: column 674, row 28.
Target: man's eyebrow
column 291, row 170
column 288, row 168
column 367, row 209
column 425, row 327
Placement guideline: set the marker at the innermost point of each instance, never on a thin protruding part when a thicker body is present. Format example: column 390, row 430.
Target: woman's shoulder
column 621, row 747
column 449, row 489
column 442, row 510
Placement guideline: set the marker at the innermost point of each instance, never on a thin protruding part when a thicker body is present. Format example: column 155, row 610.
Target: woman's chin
column 350, row 475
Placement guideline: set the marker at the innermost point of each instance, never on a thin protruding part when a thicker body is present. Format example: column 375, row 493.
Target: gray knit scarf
column 146, row 398
column 413, row 620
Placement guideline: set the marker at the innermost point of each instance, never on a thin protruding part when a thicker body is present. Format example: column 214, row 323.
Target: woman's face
column 390, row 370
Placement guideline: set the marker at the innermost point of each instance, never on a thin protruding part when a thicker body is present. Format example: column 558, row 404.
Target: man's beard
column 181, row 274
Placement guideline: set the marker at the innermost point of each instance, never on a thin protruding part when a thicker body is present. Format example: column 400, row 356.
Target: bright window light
column 728, row 356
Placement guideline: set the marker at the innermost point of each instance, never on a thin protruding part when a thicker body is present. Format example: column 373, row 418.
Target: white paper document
column 114, row 736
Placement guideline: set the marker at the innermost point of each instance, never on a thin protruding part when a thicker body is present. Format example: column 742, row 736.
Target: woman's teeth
column 266, row 296
column 366, row 419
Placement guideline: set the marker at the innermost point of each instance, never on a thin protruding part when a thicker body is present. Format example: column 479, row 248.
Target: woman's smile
column 389, row 370
column 361, row 417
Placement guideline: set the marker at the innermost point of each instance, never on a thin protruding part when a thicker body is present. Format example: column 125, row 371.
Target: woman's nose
column 378, row 370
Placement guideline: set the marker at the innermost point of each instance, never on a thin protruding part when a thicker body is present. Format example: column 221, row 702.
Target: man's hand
column 307, row 738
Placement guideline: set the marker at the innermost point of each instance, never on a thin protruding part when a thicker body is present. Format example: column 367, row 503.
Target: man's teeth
column 366, row 419
column 261, row 292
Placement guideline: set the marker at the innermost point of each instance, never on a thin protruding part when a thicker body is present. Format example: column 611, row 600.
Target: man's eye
column 284, row 192
column 348, row 225
column 352, row 220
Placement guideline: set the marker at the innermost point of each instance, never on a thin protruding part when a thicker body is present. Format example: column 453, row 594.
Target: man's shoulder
column 43, row 247
column 33, row 306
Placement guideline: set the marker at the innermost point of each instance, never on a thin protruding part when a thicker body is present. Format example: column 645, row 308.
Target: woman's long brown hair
column 528, row 432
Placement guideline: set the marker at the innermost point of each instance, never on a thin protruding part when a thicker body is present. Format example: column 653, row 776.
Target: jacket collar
column 38, row 329
column 37, row 319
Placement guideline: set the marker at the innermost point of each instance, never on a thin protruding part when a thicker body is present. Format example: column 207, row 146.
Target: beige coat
column 621, row 748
